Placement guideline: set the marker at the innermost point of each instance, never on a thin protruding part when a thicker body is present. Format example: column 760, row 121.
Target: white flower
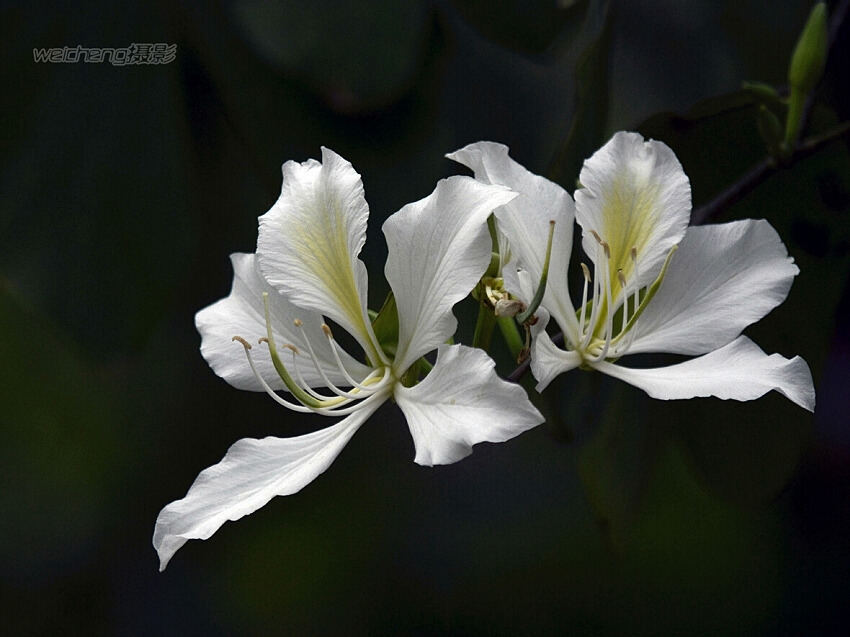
column 657, row 285
column 307, row 267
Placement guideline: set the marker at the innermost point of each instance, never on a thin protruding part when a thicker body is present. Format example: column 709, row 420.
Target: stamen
column 306, row 386
column 623, row 285
column 311, row 401
column 609, row 322
column 636, row 279
column 650, row 292
column 340, row 408
column 587, row 280
column 320, row 369
column 365, row 385
column 597, row 292
column 299, row 408
column 245, row 343
column 302, row 396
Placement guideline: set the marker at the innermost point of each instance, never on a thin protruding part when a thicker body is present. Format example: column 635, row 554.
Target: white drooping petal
column 241, row 314
column 460, row 403
column 547, row 359
column 525, row 220
column 438, row 249
column 721, row 279
column 251, row 473
column 310, row 240
column 634, row 195
column 739, row 370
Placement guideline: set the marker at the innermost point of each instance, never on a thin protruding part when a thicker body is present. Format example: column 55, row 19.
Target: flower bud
column 809, row 55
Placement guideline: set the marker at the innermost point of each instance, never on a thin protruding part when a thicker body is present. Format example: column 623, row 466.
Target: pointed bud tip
column 809, row 57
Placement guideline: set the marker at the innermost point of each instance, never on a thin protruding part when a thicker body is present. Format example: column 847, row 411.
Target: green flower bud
column 806, row 68
column 809, row 55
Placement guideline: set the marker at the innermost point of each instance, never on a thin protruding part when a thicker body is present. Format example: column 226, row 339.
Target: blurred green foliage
column 124, row 190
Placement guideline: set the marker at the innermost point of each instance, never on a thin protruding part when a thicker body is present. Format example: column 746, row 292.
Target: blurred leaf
column 587, row 127
column 61, row 451
column 323, row 43
column 716, row 141
column 528, row 26
column 617, row 462
column 93, row 214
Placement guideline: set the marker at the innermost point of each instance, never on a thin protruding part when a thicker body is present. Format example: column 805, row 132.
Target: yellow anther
column 327, row 330
column 263, row 340
column 622, row 278
column 634, row 253
column 297, row 322
column 597, row 237
column 607, row 249
column 586, row 272
column 245, row 343
column 292, row 347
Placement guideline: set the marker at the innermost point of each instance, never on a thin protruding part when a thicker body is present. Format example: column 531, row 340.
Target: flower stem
column 511, row 334
column 484, row 327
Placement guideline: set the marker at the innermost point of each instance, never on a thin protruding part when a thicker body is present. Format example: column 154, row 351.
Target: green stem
column 484, row 327
column 511, row 334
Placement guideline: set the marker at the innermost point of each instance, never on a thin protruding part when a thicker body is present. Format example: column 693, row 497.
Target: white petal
column 547, row 359
column 520, row 283
column 252, row 473
column 634, row 195
column 739, row 370
column 439, row 248
column 721, row 279
column 525, row 220
column 241, row 314
column 310, row 241
column 460, row 403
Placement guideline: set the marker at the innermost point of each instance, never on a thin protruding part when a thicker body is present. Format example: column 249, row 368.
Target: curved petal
column 241, row 314
column 739, row 370
column 438, row 249
column 721, row 279
column 525, row 220
column 460, row 403
column 547, row 359
column 634, row 195
column 252, row 473
column 310, row 240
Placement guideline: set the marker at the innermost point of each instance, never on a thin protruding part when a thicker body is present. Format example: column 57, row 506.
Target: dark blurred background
column 124, row 190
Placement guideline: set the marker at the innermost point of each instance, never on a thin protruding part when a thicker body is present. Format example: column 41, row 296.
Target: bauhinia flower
column 306, row 268
column 654, row 284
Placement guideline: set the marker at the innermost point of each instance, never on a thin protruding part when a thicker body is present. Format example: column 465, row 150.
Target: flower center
column 607, row 319
column 340, row 402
